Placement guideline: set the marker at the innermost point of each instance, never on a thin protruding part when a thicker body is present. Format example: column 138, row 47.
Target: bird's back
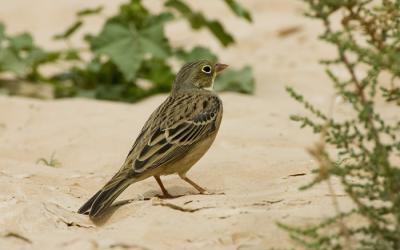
column 182, row 120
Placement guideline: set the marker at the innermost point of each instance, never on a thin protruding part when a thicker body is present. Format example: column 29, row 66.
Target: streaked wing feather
column 171, row 143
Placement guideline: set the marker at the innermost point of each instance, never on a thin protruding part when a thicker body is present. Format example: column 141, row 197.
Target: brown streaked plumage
column 177, row 134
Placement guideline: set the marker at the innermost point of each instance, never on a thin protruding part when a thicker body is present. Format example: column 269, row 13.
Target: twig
column 18, row 236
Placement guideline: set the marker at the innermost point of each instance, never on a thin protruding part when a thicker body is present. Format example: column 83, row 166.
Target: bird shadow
column 176, row 191
column 107, row 214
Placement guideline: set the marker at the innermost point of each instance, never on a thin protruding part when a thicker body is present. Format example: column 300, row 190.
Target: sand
column 257, row 163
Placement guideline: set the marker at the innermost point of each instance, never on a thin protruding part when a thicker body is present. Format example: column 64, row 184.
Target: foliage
column 236, row 80
column 366, row 158
column 52, row 162
column 129, row 59
column 19, row 55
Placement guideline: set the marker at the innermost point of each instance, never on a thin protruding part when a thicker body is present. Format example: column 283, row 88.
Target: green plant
column 52, row 162
column 128, row 60
column 21, row 57
column 362, row 150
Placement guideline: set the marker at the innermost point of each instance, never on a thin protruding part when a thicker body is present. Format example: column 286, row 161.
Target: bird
column 176, row 135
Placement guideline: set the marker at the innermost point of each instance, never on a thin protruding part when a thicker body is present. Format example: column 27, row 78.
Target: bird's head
column 197, row 75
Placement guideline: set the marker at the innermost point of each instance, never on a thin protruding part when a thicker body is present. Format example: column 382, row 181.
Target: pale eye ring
column 206, row 69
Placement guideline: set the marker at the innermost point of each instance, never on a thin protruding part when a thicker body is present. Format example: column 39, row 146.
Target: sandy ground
column 258, row 159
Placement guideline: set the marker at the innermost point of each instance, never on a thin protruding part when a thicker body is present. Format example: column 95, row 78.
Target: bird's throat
column 211, row 88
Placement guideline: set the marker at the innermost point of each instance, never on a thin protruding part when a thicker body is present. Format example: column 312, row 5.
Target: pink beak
column 219, row 67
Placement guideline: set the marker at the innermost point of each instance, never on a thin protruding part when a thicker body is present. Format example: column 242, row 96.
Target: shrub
column 366, row 35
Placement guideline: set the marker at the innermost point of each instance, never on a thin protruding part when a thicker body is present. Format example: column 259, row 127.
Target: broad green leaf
column 35, row 56
column 236, row 80
column 10, row 62
column 152, row 41
column 122, row 46
column 70, row 31
column 22, row 41
column 89, row 11
column 126, row 46
column 131, row 45
column 239, row 10
column 196, row 53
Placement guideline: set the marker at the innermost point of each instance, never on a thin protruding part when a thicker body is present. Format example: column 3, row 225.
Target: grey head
column 197, row 75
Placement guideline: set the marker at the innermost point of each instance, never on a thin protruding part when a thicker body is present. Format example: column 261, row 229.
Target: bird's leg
column 200, row 189
column 163, row 189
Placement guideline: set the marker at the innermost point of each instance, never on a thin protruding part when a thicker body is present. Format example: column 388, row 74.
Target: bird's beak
column 219, row 67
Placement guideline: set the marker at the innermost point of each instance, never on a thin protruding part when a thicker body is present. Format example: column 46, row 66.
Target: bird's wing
column 171, row 131
column 178, row 125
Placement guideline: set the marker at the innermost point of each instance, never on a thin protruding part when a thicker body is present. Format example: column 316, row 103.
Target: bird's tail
column 103, row 199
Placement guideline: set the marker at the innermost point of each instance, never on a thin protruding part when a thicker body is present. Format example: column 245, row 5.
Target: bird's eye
column 206, row 69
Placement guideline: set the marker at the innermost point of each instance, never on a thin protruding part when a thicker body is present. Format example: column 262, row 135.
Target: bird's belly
column 183, row 164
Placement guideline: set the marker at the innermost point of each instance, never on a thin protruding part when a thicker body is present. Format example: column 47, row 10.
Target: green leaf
column 159, row 73
column 159, row 19
column 126, row 46
column 10, row 62
column 21, row 41
column 72, row 55
column 179, row 6
column 197, row 21
column 23, row 58
column 94, row 66
column 2, row 31
column 239, row 10
column 89, row 11
column 153, row 41
column 196, row 53
column 111, row 92
column 70, row 31
column 131, row 46
column 219, row 32
column 236, row 80
column 121, row 45
column 132, row 11
column 52, row 56
column 35, row 57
